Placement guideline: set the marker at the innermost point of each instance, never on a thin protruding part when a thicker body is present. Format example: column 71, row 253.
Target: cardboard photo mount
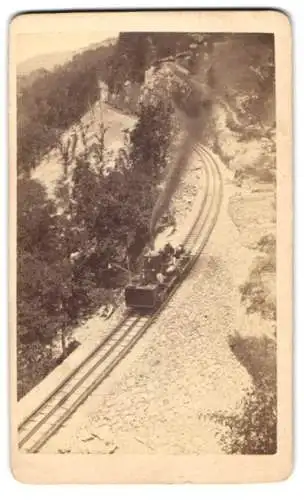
column 73, row 468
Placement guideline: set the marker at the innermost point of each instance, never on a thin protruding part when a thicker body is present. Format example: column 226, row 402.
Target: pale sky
column 29, row 45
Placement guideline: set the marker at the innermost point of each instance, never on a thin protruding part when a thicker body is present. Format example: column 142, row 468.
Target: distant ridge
column 49, row 61
column 44, row 61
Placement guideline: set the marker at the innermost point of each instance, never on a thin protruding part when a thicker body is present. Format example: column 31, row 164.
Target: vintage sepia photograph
column 150, row 244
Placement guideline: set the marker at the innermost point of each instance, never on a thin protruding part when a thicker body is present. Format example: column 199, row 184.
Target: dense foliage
column 253, row 429
column 40, row 275
column 54, row 100
column 135, row 52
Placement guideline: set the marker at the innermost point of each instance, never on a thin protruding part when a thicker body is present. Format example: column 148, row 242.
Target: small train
column 162, row 270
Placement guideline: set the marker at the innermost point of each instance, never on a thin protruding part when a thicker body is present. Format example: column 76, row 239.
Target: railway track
column 58, row 407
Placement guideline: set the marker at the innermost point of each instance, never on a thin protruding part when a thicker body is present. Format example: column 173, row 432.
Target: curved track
column 57, row 408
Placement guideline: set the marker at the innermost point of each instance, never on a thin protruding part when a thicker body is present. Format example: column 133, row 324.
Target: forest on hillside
column 48, row 102
column 72, row 260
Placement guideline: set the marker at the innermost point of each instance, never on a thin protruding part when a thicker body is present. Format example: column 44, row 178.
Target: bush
column 34, row 363
column 254, row 430
column 253, row 291
column 267, row 244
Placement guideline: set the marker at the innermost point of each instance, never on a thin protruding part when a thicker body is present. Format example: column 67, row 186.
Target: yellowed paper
column 177, row 373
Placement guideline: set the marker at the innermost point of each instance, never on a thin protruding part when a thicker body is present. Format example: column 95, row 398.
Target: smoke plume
column 191, row 111
column 171, row 183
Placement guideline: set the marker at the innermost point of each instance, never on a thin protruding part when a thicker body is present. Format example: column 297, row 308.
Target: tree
column 150, row 140
column 43, row 276
column 135, row 52
column 36, row 220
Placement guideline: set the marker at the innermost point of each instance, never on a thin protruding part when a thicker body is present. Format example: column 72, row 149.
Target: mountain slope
column 49, row 61
column 45, row 61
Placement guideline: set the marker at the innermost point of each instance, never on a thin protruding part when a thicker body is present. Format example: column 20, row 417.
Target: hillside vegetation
column 72, row 261
column 50, row 101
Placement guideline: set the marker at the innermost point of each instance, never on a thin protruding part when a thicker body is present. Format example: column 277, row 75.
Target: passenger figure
column 160, row 278
column 171, row 269
column 179, row 251
column 168, row 250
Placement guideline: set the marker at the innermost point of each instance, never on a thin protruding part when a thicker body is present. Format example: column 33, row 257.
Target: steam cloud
column 171, row 183
column 191, row 115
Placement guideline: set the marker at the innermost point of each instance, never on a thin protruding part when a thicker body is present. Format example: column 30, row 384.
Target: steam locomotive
column 161, row 272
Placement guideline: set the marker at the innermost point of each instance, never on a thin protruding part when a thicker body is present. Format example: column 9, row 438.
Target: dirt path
column 50, row 169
